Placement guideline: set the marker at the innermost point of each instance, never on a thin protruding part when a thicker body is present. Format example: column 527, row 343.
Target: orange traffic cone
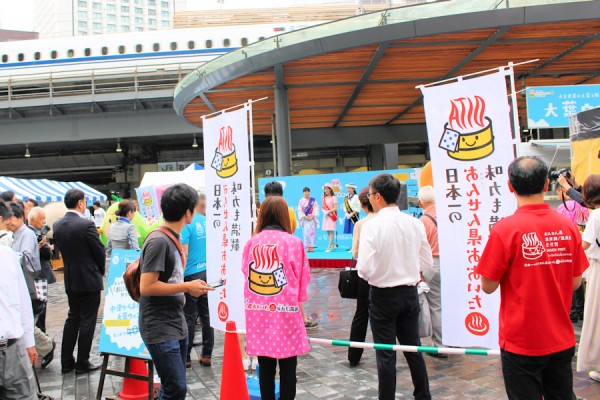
column 134, row 389
column 233, row 378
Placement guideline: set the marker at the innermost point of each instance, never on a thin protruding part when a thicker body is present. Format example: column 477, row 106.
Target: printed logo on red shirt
column 532, row 246
column 223, row 312
column 477, row 324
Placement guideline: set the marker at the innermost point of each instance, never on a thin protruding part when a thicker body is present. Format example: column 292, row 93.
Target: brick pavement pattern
column 324, row 373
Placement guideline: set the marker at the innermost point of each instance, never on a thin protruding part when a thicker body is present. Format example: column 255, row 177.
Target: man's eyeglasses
column 369, row 194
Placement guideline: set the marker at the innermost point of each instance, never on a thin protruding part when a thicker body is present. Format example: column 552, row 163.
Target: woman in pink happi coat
column 277, row 275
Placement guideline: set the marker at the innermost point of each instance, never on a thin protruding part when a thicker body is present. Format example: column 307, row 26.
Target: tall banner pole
column 515, row 105
column 252, row 163
column 471, row 144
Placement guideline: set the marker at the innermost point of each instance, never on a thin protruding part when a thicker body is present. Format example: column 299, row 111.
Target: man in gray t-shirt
column 162, row 323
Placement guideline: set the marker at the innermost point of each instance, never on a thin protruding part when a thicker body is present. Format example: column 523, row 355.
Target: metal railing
column 93, row 81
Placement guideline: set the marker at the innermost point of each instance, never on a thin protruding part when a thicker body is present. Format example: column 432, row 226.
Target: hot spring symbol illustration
column 266, row 274
column 225, row 160
column 468, row 133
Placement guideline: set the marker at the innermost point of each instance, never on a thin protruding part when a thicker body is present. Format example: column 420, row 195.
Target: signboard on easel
column 119, row 332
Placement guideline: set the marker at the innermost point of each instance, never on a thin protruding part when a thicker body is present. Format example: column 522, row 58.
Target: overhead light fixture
column 119, row 149
column 27, row 154
column 195, row 143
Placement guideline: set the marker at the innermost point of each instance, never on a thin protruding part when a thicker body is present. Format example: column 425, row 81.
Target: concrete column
column 283, row 139
column 384, row 156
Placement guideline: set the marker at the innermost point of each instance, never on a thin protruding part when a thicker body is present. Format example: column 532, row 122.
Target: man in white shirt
column 99, row 214
column 393, row 249
column 17, row 345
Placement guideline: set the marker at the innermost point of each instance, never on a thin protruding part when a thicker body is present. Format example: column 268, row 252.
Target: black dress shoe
column 48, row 357
column 88, row 368
column 68, row 366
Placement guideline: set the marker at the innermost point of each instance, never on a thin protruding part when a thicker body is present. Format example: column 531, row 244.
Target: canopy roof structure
column 362, row 71
column 46, row 190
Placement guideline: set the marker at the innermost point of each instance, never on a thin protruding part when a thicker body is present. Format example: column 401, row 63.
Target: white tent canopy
column 46, row 190
column 194, row 178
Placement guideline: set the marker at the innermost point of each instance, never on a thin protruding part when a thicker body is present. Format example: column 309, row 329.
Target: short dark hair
column 528, row 175
column 97, row 203
column 273, row 189
column 7, row 196
column 364, row 199
column 72, row 197
column 591, row 190
column 388, row 186
column 306, row 189
column 177, row 200
column 17, row 210
column 32, row 201
column 125, row 206
column 5, row 211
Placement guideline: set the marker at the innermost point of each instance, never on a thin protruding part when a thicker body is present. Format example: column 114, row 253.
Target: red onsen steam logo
column 223, row 312
column 266, row 257
column 225, row 140
column 467, row 113
column 477, row 324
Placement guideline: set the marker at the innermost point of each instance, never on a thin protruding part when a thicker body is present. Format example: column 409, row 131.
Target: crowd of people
column 394, row 252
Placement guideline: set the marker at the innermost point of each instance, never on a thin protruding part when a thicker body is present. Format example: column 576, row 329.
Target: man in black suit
column 84, row 259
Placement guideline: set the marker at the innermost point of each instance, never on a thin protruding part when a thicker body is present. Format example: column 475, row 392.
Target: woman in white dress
column 588, row 357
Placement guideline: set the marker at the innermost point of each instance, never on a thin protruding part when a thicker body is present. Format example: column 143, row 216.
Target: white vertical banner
column 471, row 146
column 228, row 212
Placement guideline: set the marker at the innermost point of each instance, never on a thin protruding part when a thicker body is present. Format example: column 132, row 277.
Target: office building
column 63, row 18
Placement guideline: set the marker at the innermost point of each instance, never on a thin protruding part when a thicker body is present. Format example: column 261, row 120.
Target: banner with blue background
column 293, row 191
column 120, row 332
column 551, row 106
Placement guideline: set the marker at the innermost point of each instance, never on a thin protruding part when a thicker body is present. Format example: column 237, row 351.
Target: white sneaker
column 595, row 375
column 246, row 363
column 254, row 363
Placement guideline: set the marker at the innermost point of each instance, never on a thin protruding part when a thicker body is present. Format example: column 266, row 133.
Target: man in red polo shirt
column 536, row 258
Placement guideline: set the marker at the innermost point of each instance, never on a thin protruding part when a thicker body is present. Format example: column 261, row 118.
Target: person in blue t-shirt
column 193, row 238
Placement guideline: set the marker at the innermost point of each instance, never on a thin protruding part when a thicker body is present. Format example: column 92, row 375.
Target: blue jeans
column 169, row 360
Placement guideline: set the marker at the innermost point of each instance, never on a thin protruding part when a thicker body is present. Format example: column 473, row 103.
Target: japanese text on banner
column 471, row 144
column 229, row 212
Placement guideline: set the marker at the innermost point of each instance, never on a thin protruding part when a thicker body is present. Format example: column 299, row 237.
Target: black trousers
column 578, row 303
column 530, row 377
column 360, row 322
column 194, row 307
column 395, row 315
column 79, row 328
column 287, row 377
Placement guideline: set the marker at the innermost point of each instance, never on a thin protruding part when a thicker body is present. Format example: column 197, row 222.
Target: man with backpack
column 162, row 323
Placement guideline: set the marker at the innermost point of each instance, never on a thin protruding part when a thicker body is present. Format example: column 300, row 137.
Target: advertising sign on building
column 228, row 212
column 551, row 106
column 470, row 133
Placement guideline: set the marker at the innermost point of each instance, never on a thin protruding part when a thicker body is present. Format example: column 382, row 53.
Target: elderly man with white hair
column 37, row 223
column 432, row 276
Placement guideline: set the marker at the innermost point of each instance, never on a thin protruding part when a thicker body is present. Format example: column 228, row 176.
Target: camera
column 45, row 229
column 564, row 172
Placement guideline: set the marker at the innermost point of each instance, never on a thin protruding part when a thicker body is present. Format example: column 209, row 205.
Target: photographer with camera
column 37, row 223
column 564, row 178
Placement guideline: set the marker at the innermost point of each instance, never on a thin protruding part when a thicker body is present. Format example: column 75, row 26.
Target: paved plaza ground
column 324, row 373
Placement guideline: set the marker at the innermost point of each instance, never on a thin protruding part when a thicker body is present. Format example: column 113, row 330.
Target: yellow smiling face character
column 474, row 145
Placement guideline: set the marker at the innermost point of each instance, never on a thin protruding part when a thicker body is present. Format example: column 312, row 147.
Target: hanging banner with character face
column 471, row 145
column 228, row 212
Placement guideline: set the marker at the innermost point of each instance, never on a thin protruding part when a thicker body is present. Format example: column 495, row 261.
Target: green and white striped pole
column 409, row 349
column 403, row 348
